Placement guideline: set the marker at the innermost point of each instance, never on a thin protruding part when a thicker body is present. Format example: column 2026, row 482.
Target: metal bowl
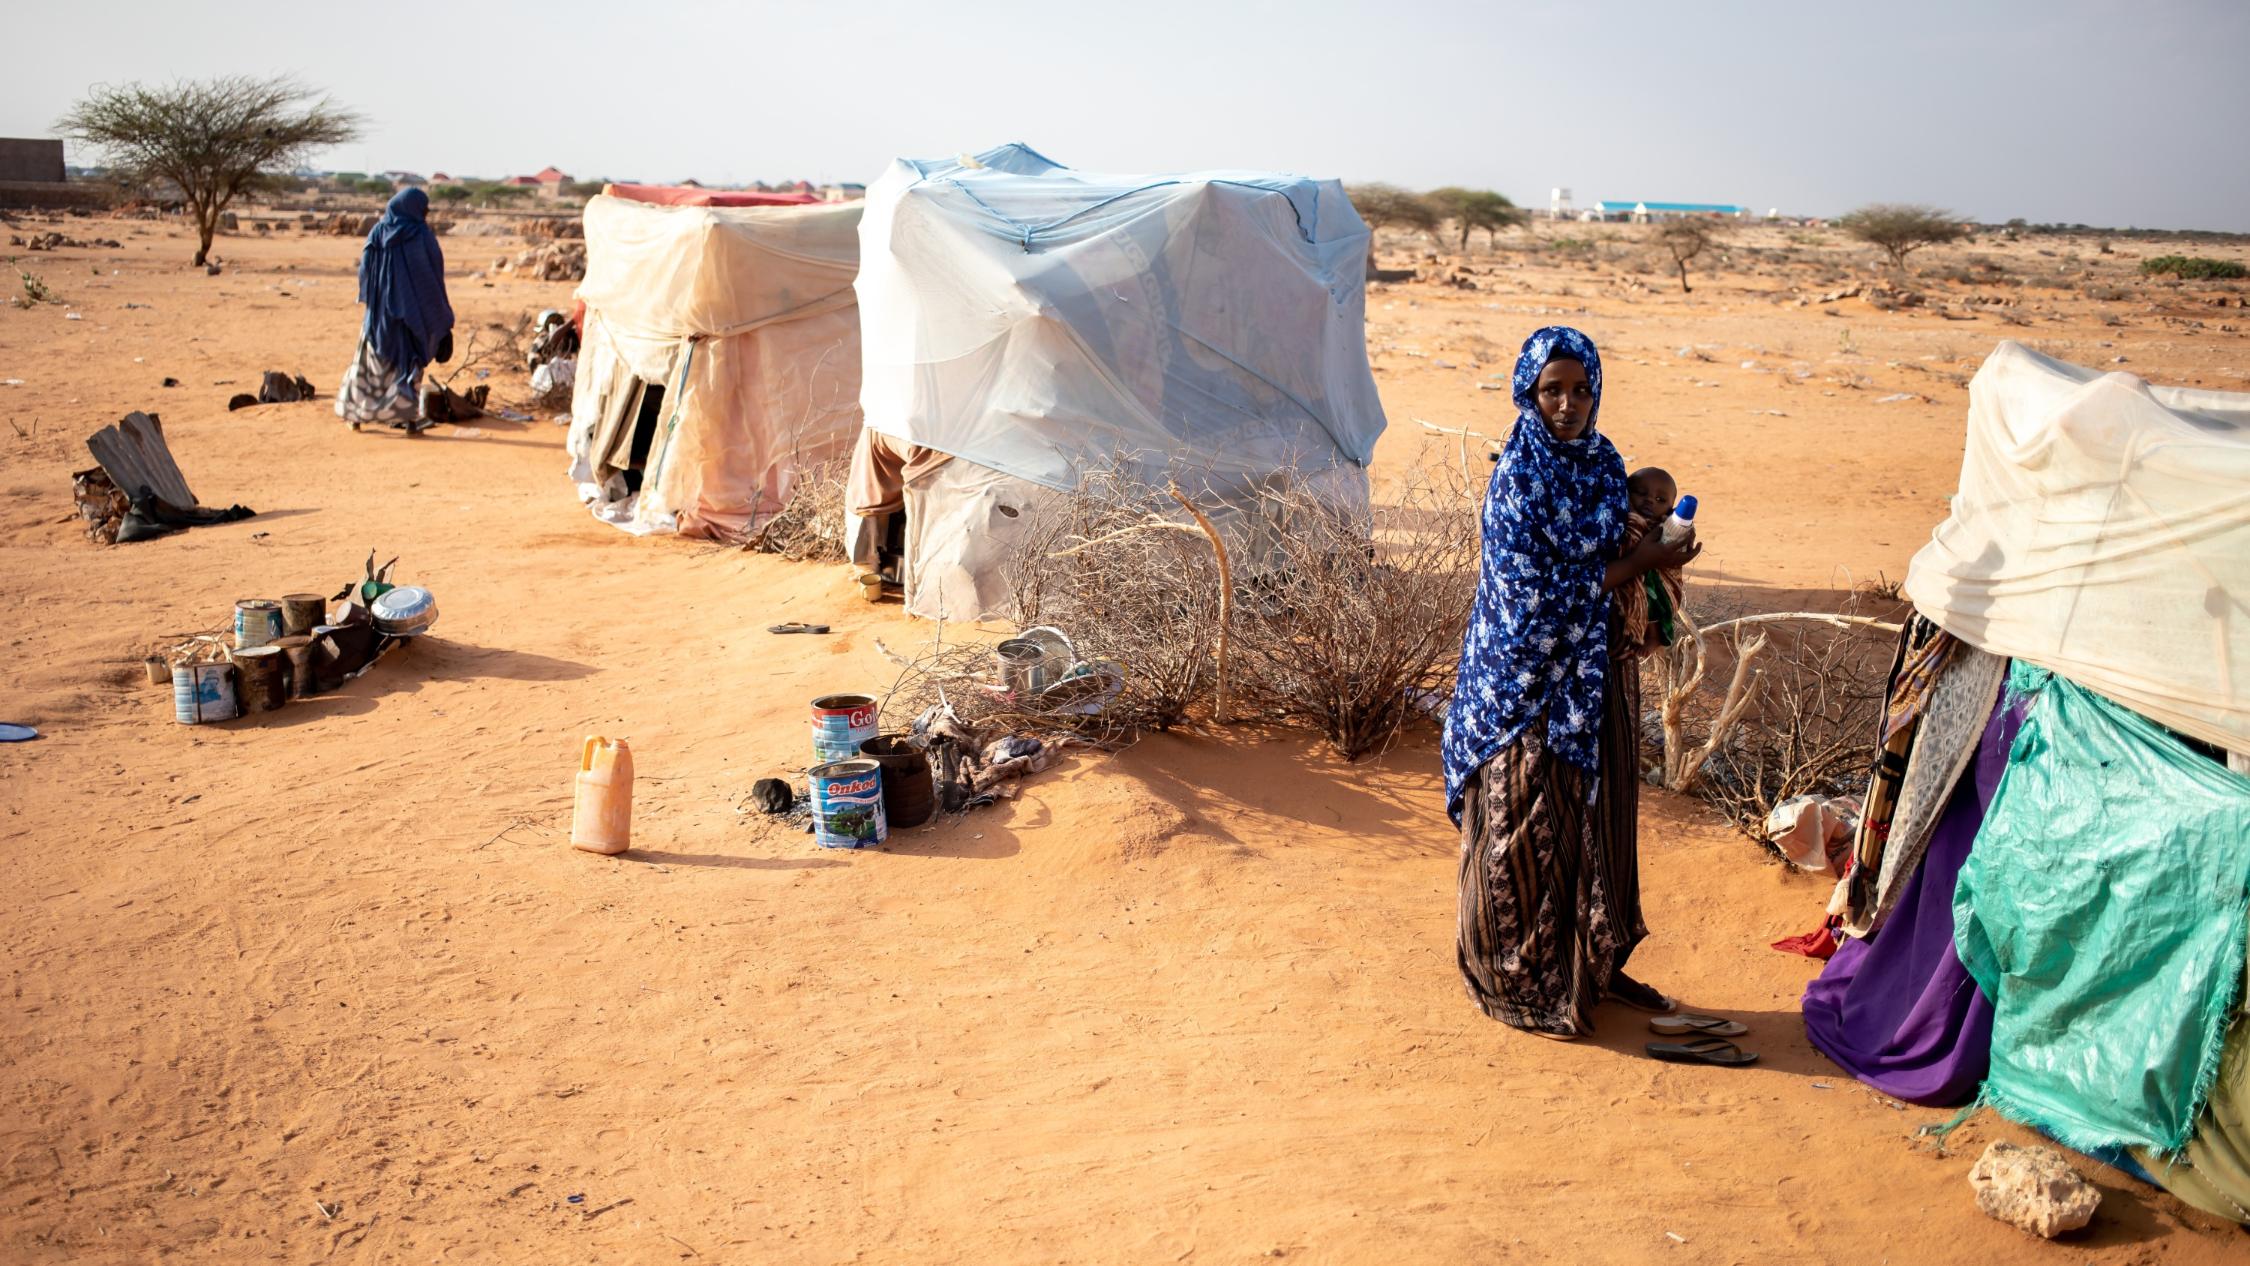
column 407, row 611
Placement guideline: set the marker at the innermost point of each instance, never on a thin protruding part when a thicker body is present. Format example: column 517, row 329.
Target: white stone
column 2033, row 1188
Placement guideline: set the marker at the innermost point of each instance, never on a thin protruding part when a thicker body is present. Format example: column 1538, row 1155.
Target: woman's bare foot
column 1638, row 996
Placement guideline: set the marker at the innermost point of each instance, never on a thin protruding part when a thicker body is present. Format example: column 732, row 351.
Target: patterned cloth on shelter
column 2103, row 912
column 1537, row 644
column 1940, row 694
column 1900, row 1012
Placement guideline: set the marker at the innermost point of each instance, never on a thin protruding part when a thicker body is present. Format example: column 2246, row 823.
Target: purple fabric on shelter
column 1899, row 1011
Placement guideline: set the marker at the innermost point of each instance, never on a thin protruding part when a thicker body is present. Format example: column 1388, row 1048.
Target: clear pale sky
column 2101, row 112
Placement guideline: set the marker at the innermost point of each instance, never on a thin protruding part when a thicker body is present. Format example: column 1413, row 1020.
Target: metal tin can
column 847, row 798
column 203, row 692
column 257, row 621
column 840, row 723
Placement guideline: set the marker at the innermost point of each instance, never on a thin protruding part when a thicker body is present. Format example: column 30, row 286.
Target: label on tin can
column 257, row 621
column 840, row 724
column 847, row 801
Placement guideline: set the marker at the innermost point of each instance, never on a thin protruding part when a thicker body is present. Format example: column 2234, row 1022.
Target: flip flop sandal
column 1703, row 1050
column 11, row 733
column 795, row 626
column 1706, row 1025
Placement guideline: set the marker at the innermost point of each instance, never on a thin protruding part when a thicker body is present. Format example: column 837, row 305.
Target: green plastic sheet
column 2102, row 911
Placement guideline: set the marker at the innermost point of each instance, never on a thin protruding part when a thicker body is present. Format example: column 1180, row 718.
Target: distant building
column 32, row 175
column 1644, row 212
column 401, row 179
column 691, row 183
column 521, row 182
column 847, row 192
column 438, row 179
column 551, row 181
column 31, row 160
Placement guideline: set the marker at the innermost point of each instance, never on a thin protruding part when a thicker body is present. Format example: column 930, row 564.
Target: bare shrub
column 1798, row 713
column 809, row 527
column 1357, row 629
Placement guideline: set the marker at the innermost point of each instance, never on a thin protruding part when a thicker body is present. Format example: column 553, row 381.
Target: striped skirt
column 1551, row 885
column 374, row 391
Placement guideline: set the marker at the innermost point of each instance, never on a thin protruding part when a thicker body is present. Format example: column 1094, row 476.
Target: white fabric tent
column 1031, row 320
column 720, row 357
column 2102, row 530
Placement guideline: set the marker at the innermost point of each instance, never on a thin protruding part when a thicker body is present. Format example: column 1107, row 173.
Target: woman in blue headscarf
column 409, row 323
column 1541, row 746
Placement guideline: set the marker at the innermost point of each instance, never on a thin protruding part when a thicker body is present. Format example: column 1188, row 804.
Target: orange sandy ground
column 329, row 984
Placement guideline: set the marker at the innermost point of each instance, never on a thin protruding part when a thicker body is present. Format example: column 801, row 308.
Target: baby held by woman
column 1647, row 608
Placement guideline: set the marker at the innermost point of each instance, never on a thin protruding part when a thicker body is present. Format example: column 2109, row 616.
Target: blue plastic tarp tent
column 1032, row 320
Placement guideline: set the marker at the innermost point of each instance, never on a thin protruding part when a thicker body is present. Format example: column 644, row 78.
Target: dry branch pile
column 809, row 528
column 1126, row 571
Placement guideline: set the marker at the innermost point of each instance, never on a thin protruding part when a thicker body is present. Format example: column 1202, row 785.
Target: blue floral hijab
column 1538, row 637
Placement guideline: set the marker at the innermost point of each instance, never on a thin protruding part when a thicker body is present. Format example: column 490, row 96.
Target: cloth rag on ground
column 1900, row 1012
column 2103, row 912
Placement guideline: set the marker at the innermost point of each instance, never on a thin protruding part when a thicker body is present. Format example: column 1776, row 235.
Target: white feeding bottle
column 1680, row 524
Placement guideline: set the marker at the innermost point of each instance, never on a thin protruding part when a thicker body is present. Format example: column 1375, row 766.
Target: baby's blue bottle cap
column 1686, row 509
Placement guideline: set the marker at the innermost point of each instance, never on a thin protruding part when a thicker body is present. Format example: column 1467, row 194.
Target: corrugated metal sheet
column 136, row 457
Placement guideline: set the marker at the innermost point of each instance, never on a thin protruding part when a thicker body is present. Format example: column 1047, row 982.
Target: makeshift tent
column 1031, row 321
column 2094, row 891
column 720, row 358
column 698, row 196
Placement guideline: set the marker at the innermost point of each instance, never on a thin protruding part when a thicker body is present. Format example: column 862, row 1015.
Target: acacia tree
column 1900, row 227
column 1475, row 209
column 1388, row 206
column 498, row 195
column 1686, row 239
column 213, row 138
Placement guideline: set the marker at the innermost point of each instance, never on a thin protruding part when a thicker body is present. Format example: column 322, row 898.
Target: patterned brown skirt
column 1551, row 885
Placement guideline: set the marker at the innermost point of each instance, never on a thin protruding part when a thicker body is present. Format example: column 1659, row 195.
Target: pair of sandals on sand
column 1707, row 1034
column 1708, row 1043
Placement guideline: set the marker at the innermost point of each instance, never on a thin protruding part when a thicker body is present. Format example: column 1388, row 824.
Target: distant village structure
column 32, row 175
column 1560, row 207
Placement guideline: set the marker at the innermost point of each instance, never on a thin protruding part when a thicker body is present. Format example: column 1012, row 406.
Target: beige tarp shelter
column 1031, row 322
column 720, row 358
column 2102, row 530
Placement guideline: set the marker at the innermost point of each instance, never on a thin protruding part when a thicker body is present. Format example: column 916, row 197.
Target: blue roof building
column 1611, row 209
